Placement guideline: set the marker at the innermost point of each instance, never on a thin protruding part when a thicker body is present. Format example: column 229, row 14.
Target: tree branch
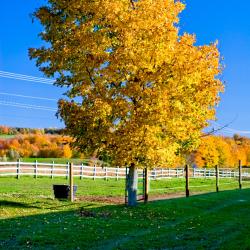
column 213, row 131
column 90, row 77
column 133, row 4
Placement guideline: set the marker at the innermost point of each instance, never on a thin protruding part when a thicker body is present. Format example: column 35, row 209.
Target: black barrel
column 63, row 191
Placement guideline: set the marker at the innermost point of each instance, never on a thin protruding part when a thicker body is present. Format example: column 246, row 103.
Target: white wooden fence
column 52, row 170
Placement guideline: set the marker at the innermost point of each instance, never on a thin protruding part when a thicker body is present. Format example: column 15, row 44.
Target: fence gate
column 140, row 185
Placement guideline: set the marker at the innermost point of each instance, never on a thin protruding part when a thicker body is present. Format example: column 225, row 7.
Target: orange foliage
column 213, row 150
column 67, row 152
column 37, row 145
column 4, row 130
column 223, row 151
column 207, row 154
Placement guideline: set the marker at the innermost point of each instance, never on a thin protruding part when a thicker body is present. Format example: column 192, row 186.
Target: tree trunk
column 132, row 186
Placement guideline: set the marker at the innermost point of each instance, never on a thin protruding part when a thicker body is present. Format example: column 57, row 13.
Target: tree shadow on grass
column 60, row 204
column 75, row 228
column 14, row 204
column 64, row 204
column 102, row 226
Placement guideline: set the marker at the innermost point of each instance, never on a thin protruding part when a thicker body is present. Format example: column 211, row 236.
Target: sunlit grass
column 43, row 186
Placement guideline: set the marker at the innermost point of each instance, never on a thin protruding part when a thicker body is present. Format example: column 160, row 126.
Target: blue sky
column 225, row 21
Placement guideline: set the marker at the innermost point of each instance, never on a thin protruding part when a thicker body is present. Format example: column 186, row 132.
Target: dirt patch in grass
column 102, row 199
column 121, row 200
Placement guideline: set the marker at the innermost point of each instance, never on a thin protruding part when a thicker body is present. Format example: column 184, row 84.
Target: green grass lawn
column 43, row 186
column 32, row 219
column 56, row 160
column 7, row 136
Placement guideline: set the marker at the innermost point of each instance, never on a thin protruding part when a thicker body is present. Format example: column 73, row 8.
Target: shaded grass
column 211, row 221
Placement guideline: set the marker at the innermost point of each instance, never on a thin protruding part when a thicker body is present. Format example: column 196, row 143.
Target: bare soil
column 121, row 200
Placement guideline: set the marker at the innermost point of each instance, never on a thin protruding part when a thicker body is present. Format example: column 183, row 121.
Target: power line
column 236, row 131
column 25, row 117
column 27, row 106
column 16, row 76
column 26, row 76
column 26, row 96
column 232, row 130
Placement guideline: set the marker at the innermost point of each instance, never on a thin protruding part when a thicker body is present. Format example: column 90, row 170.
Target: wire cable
column 27, row 106
column 25, row 117
column 26, row 96
column 232, row 130
column 16, row 76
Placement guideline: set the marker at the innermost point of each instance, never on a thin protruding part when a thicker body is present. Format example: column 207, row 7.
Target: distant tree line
column 37, row 145
column 47, row 143
column 5, row 130
column 222, row 151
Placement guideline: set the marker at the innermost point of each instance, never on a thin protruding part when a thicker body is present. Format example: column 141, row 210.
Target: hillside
column 52, row 143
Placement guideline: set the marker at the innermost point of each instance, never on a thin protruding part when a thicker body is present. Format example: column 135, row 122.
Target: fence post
column 126, row 186
column 35, row 169
column 18, row 169
column 217, row 178
column 67, row 170
column 117, row 173
column 240, row 175
column 52, row 169
column 71, row 181
column 146, row 185
column 81, row 173
column 187, row 181
column 106, row 174
column 94, row 172
column 154, row 174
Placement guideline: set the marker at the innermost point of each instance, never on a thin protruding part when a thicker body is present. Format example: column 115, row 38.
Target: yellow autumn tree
column 67, row 152
column 138, row 90
column 207, row 154
column 224, row 151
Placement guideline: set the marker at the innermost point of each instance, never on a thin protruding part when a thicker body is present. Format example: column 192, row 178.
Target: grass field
column 76, row 161
column 50, row 160
column 111, row 187
column 55, row 160
column 7, row 136
column 32, row 219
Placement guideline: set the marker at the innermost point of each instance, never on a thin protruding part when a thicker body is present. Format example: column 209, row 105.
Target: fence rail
column 37, row 169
